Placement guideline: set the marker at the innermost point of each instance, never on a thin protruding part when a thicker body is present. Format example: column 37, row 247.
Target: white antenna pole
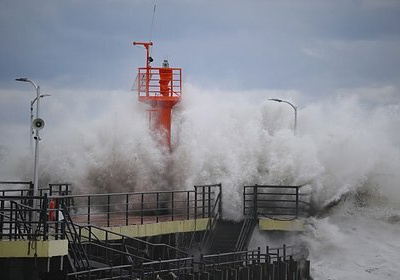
column 152, row 22
column 152, row 25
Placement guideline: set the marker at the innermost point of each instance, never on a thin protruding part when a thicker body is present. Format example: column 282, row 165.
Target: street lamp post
column 294, row 108
column 37, row 126
column 31, row 128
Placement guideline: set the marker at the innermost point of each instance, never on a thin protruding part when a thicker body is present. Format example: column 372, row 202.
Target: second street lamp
column 294, row 108
column 37, row 124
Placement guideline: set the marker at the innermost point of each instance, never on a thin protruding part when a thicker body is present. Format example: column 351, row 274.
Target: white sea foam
column 346, row 152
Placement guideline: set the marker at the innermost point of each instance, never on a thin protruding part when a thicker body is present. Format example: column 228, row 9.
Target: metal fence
column 281, row 202
column 26, row 189
column 273, row 264
column 147, row 83
column 118, row 209
column 19, row 220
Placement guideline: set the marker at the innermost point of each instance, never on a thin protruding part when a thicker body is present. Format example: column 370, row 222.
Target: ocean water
column 346, row 153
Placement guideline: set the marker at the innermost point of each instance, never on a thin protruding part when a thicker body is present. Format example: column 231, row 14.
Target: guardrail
column 216, row 213
column 278, row 202
column 99, row 209
column 26, row 189
column 151, row 83
column 119, row 209
column 247, row 257
column 89, row 233
column 19, row 220
column 274, row 263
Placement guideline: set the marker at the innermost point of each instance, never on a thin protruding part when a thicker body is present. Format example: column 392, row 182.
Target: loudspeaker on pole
column 38, row 124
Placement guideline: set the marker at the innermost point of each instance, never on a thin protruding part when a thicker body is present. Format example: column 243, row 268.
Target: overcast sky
column 315, row 47
column 312, row 46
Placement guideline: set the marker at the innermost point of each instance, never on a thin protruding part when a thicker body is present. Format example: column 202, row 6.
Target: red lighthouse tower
column 161, row 88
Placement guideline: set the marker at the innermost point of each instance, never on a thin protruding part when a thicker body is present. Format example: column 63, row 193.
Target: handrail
column 29, row 191
column 137, row 240
column 18, row 218
column 165, row 265
column 245, row 233
column 211, row 223
column 110, row 249
column 119, row 193
column 137, row 207
column 76, row 275
column 250, row 255
column 150, row 83
column 216, row 214
column 183, row 266
column 284, row 201
column 75, row 245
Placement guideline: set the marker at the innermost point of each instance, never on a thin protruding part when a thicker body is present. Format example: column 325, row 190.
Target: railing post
column 203, row 201
column 244, row 201
column 284, row 252
column 88, row 210
column 1, row 218
column 57, row 217
column 10, row 232
column 220, row 199
column 127, row 209
column 209, row 201
column 255, row 198
column 195, row 202
column 44, row 215
column 187, row 205
column 108, row 210
column 297, row 201
column 141, row 209
column 172, row 205
column 158, row 212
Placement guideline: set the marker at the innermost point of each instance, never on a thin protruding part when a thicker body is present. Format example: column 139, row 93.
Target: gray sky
column 311, row 46
column 318, row 48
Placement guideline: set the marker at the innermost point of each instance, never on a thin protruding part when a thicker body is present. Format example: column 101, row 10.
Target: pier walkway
column 108, row 234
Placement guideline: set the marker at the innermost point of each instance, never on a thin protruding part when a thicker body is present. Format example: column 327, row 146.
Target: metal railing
column 16, row 211
column 182, row 267
column 122, row 209
column 245, row 233
column 274, row 263
column 105, row 273
column 130, row 244
column 19, row 220
column 26, row 189
column 150, row 80
column 277, row 202
column 178, row 266
column 203, row 198
column 17, row 217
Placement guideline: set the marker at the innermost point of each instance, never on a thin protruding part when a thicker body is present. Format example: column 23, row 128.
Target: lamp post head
column 275, row 99
column 21, row 79
column 29, row 81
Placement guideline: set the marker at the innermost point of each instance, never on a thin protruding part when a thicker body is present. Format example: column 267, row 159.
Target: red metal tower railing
column 161, row 88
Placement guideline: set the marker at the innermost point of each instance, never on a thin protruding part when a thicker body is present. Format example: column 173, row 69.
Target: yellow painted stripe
column 151, row 229
column 26, row 249
column 270, row 224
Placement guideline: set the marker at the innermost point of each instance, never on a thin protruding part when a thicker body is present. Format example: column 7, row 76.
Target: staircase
column 230, row 236
column 225, row 236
